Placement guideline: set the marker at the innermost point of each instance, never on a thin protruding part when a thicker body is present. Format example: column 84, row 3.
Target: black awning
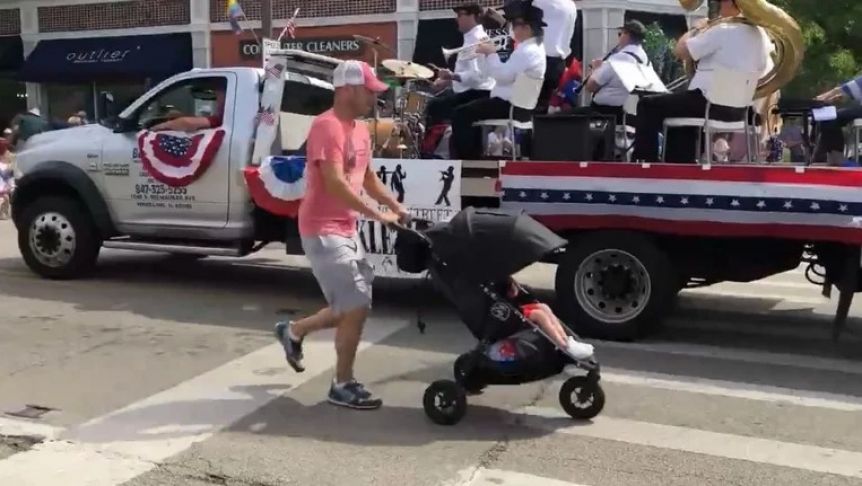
column 11, row 53
column 90, row 59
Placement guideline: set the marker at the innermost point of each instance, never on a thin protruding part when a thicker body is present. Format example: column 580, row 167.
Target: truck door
column 162, row 187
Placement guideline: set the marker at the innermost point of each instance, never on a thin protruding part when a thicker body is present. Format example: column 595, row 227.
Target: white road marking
column 730, row 354
column 742, row 294
column 498, row 477
column 684, row 439
column 28, row 428
column 810, row 331
column 732, row 389
column 124, row 444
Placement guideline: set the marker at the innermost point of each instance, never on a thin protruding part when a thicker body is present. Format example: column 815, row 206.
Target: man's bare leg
column 345, row 390
column 323, row 319
column 347, row 335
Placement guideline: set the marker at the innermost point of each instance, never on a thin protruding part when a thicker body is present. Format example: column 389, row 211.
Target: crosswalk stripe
column 810, row 333
column 732, row 389
column 732, row 354
column 115, row 448
column 684, row 439
column 11, row 427
column 751, row 294
column 497, row 477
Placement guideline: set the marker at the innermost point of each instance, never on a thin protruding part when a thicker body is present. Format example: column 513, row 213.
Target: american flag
column 290, row 28
column 750, row 201
column 175, row 146
column 275, row 70
column 266, row 116
column 178, row 159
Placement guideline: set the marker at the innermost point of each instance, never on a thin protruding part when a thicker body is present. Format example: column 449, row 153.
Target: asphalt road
column 162, row 372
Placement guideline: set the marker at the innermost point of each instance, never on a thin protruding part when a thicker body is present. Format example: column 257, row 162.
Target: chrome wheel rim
column 52, row 240
column 612, row 286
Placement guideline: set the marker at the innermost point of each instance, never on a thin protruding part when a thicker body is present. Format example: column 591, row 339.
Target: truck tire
column 615, row 285
column 58, row 238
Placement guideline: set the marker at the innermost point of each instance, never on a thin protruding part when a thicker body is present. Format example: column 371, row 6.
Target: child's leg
column 549, row 324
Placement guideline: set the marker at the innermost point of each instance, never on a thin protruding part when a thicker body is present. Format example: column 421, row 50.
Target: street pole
column 266, row 18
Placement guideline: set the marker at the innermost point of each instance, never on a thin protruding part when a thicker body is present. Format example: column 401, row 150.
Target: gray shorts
column 341, row 270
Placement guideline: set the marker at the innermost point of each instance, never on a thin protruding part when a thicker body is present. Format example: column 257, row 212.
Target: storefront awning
column 11, row 53
column 90, row 59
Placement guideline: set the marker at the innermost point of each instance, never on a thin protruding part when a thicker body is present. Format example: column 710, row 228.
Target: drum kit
column 400, row 134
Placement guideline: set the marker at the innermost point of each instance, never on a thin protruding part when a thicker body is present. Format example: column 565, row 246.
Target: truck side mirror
column 107, row 108
column 126, row 125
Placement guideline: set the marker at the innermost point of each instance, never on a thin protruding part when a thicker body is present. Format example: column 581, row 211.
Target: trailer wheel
column 615, row 285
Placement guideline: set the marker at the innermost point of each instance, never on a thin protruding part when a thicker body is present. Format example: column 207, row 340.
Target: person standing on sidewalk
column 338, row 169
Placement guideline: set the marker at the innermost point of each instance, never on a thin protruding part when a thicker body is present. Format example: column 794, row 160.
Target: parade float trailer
column 638, row 233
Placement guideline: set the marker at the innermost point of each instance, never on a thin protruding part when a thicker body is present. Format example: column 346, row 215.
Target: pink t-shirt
column 332, row 140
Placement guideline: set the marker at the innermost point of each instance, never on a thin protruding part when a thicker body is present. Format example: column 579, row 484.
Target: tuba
column 781, row 29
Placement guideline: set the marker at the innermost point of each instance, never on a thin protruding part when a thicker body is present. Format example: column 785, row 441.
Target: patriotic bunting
column 278, row 184
column 176, row 158
column 799, row 203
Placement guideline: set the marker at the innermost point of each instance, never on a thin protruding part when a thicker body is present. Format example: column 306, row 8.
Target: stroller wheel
column 445, row 402
column 582, row 398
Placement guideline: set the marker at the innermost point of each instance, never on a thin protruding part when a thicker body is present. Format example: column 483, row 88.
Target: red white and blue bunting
column 278, row 184
column 176, row 158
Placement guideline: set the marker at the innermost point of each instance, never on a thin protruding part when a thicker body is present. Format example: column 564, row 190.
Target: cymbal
column 407, row 69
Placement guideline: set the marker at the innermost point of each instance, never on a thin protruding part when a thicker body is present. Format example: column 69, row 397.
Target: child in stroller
column 543, row 317
column 471, row 260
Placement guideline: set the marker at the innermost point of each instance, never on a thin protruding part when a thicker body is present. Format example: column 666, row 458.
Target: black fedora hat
column 529, row 13
column 470, row 8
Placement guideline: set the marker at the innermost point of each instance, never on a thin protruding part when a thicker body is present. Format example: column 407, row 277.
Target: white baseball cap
column 357, row 73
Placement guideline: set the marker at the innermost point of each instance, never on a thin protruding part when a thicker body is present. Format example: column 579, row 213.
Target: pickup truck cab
column 85, row 188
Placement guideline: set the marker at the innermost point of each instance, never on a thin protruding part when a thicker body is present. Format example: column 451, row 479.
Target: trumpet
column 499, row 41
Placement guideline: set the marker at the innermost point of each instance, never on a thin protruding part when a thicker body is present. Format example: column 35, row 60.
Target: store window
column 65, row 100
column 13, row 100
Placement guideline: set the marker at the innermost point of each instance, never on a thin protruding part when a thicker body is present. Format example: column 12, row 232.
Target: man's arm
column 184, row 124
column 685, row 50
column 375, row 188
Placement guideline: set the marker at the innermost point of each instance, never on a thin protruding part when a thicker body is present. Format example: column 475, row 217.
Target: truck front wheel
column 57, row 238
column 615, row 285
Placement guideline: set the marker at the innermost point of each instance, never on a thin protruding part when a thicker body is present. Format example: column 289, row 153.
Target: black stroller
column 464, row 257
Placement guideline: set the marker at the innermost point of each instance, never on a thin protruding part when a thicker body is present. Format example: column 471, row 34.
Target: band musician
column 561, row 17
column 468, row 83
column 528, row 57
column 609, row 92
column 733, row 46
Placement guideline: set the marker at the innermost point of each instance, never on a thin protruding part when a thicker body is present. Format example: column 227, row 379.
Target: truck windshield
column 302, row 98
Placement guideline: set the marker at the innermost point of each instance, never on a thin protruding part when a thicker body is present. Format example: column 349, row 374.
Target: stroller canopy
column 483, row 245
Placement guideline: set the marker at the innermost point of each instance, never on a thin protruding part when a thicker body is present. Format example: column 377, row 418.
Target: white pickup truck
column 86, row 188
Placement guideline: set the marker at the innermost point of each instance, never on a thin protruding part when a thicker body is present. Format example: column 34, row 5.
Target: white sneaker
column 578, row 350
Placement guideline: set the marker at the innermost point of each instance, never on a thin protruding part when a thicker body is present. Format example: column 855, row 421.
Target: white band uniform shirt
column 613, row 92
column 561, row 17
column 472, row 78
column 739, row 47
column 528, row 58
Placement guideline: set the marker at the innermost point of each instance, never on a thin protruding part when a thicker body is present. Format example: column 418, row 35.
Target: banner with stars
column 758, row 201
column 176, row 158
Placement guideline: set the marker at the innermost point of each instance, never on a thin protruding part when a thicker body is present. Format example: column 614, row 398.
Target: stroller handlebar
column 405, row 227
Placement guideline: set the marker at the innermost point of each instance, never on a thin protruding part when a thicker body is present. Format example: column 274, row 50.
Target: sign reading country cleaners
column 331, row 46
